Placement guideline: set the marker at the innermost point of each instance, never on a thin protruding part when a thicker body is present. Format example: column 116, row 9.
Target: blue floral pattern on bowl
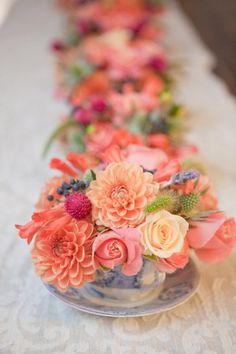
column 113, row 286
column 176, row 289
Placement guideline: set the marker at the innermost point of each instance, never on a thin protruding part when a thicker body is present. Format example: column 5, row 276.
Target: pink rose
column 177, row 260
column 147, row 157
column 214, row 238
column 119, row 246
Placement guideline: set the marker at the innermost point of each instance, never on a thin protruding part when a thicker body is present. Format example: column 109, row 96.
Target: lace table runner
column 31, row 321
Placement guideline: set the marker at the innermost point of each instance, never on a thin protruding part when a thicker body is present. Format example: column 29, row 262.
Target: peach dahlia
column 120, row 193
column 64, row 258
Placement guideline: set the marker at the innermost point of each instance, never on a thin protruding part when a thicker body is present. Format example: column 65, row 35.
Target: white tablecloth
column 31, row 321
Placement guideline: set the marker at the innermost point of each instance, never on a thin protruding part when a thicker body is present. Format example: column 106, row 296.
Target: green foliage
column 166, row 200
column 73, row 38
column 76, row 141
column 90, row 176
column 176, row 110
column 150, row 257
column 57, row 132
column 188, row 202
column 78, row 71
column 202, row 215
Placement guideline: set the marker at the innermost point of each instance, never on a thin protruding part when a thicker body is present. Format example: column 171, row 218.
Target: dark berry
column 57, row 45
column 50, row 198
column 75, row 187
column 60, row 190
column 66, row 185
column 72, row 181
column 81, row 184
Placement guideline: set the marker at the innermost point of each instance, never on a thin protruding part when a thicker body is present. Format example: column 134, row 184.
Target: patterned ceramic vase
column 114, row 288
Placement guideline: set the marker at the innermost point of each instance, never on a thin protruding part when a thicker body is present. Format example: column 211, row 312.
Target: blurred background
column 215, row 22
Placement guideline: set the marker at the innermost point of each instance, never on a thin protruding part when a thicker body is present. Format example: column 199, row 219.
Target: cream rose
column 163, row 234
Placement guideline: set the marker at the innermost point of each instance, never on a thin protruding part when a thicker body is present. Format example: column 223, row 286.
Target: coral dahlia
column 64, row 257
column 120, row 193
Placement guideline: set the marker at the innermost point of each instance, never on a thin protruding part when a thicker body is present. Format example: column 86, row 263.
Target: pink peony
column 120, row 246
column 177, row 260
column 120, row 193
column 147, row 157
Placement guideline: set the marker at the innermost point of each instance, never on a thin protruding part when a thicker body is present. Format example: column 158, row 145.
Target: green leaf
column 56, row 133
column 203, row 192
column 196, row 183
column 76, row 141
column 176, row 110
column 201, row 215
column 150, row 257
column 90, row 176
column 105, row 269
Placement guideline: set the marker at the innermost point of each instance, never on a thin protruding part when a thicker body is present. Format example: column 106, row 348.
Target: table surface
column 32, row 321
column 215, row 21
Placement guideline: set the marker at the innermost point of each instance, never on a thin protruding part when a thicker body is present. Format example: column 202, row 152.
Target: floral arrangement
column 118, row 74
column 119, row 213
column 131, row 188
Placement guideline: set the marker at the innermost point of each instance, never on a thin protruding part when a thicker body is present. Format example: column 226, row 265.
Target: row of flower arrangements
column 131, row 191
column 115, row 76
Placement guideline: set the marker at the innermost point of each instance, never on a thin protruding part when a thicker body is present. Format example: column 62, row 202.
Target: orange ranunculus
column 64, row 257
column 158, row 140
column 152, row 85
column 100, row 139
column 120, row 193
column 124, row 138
column 95, row 84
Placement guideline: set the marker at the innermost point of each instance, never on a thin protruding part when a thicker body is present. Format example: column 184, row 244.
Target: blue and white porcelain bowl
column 147, row 293
column 113, row 287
